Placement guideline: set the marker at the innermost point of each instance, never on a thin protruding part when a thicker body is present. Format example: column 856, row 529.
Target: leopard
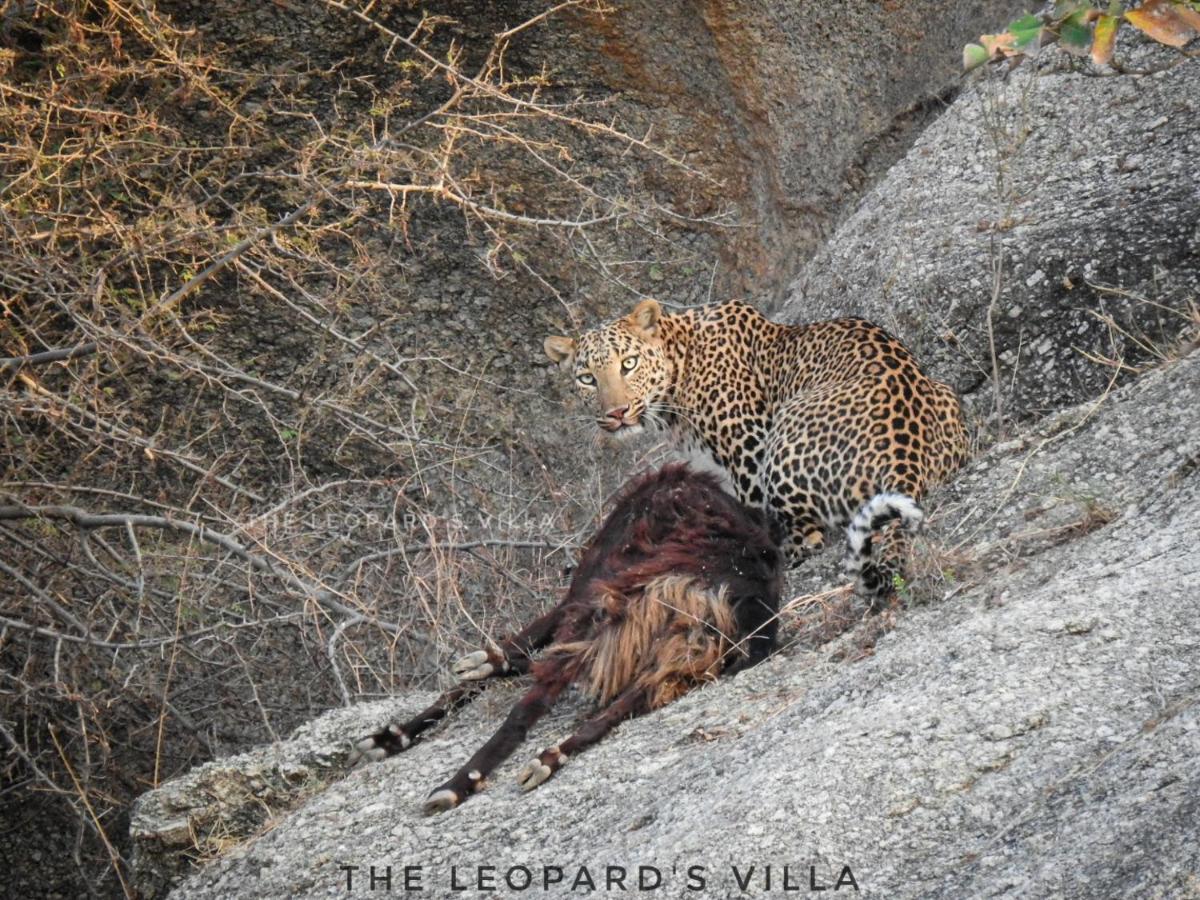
column 830, row 426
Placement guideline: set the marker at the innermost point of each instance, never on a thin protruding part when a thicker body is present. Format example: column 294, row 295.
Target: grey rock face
column 1080, row 191
column 793, row 107
column 789, row 109
column 1032, row 732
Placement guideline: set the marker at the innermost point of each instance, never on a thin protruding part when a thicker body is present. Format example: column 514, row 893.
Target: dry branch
column 183, row 289
column 49, row 356
column 267, row 563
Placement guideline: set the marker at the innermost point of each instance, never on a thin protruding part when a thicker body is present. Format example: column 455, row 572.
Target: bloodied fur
column 681, row 584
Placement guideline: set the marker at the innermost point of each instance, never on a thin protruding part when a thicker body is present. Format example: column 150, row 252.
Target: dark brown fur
column 680, row 584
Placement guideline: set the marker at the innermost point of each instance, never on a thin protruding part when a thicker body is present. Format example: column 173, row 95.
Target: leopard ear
column 561, row 350
column 645, row 316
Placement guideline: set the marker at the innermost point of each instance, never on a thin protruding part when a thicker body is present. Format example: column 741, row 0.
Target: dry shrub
column 231, row 493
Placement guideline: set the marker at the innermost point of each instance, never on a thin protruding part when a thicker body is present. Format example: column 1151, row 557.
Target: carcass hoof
column 474, row 666
column 538, row 771
column 365, row 751
column 440, row 800
column 382, row 744
column 535, row 772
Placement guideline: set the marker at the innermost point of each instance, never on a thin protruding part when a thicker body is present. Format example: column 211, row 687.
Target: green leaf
column 1075, row 34
column 1027, row 22
column 1064, row 9
column 1025, row 30
column 974, row 56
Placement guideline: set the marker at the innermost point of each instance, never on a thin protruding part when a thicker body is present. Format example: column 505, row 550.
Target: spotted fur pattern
column 808, row 422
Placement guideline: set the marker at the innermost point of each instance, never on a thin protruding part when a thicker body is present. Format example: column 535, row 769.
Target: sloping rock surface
column 1032, row 731
column 794, row 107
column 1066, row 203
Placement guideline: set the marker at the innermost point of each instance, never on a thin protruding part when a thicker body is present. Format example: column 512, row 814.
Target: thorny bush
column 226, row 502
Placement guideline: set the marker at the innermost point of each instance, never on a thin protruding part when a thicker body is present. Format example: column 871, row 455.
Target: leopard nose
column 617, row 412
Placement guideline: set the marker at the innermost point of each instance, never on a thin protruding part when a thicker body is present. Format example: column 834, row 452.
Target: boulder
column 1045, row 229
column 1028, row 727
column 793, row 108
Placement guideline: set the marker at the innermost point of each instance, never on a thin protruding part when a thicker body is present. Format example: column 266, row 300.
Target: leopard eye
column 629, row 363
column 586, row 378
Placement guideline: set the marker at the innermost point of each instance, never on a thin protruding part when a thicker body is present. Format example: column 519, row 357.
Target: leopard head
column 623, row 365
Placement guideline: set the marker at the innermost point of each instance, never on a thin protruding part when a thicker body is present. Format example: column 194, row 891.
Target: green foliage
column 973, row 56
column 1025, row 30
column 1075, row 31
column 1085, row 29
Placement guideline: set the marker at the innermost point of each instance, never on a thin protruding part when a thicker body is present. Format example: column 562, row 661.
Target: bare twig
column 268, row 563
column 48, row 356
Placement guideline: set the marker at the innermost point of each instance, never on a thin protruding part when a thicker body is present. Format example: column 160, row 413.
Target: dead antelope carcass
column 681, row 584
